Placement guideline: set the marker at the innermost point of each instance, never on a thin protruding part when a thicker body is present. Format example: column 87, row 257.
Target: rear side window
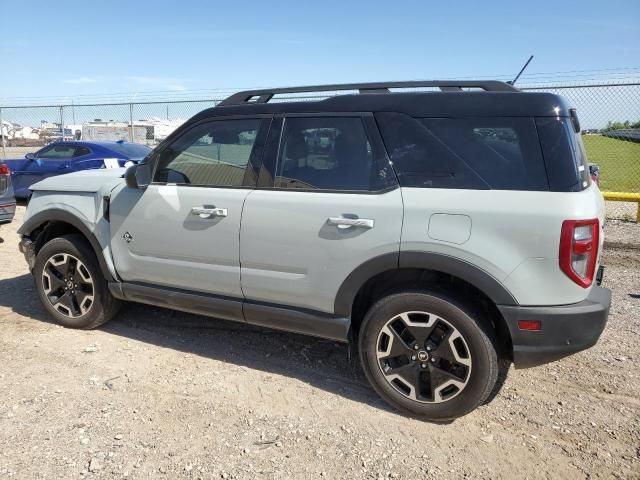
column 81, row 151
column 326, row 153
column 471, row 153
column 131, row 150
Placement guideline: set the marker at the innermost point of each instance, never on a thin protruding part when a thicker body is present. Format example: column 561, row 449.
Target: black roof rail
column 264, row 95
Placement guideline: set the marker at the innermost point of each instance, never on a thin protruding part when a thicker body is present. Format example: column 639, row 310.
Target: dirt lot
column 161, row 394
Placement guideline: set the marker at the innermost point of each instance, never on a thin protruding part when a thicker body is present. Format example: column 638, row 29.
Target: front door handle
column 342, row 222
column 209, row 212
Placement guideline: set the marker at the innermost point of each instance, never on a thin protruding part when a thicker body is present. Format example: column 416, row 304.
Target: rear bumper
column 7, row 212
column 566, row 329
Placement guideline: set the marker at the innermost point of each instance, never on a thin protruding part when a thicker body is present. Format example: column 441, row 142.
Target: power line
column 208, row 94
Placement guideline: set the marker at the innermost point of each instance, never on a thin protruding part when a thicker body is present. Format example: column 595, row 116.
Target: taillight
column 4, row 169
column 579, row 250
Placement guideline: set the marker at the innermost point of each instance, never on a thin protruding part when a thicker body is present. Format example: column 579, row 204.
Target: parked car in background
column 594, row 171
column 65, row 157
column 7, row 199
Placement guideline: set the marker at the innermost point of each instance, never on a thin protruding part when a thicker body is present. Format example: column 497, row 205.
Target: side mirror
column 138, row 176
column 30, row 156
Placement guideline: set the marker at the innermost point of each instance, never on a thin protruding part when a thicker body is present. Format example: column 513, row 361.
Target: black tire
column 427, row 399
column 98, row 305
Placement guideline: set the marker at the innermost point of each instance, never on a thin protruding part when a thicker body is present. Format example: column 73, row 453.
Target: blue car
column 59, row 158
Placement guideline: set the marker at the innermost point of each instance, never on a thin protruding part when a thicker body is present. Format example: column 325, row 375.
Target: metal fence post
column 62, row 122
column 2, row 136
column 131, row 122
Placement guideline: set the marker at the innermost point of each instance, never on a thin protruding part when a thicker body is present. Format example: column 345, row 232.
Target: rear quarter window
column 473, row 153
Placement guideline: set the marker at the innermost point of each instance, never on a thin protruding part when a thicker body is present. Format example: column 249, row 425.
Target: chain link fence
column 609, row 116
column 610, row 121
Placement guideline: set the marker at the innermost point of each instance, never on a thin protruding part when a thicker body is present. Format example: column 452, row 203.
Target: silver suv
column 443, row 233
column 7, row 197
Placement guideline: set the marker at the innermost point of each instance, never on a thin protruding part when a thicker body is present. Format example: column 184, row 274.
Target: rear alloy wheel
column 423, row 357
column 427, row 355
column 70, row 283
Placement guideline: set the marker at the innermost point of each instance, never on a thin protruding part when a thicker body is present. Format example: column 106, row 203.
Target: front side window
column 57, row 152
column 326, row 153
column 213, row 154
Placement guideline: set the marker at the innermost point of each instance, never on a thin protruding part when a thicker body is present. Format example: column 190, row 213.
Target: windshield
column 132, row 150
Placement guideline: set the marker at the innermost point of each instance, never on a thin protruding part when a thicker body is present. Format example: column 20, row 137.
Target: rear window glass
column 564, row 154
column 473, row 153
column 132, row 150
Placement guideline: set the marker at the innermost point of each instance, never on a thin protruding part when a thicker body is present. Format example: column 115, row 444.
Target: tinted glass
column 564, row 154
column 57, row 152
column 326, row 153
column 473, row 153
column 131, row 150
column 213, row 154
column 80, row 151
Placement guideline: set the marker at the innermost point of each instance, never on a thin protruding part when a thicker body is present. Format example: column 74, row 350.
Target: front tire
column 70, row 284
column 428, row 355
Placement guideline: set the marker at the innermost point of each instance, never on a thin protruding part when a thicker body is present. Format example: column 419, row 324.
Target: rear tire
column 426, row 354
column 70, row 284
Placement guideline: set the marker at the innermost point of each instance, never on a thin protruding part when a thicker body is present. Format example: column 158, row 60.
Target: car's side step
column 306, row 322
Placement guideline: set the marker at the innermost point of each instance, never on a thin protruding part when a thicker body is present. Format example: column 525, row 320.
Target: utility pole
column 3, row 137
column 131, row 122
column 62, row 122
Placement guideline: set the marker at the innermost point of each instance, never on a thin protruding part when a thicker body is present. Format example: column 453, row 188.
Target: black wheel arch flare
column 33, row 223
column 438, row 262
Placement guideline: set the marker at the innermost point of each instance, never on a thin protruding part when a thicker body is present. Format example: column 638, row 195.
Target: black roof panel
column 416, row 104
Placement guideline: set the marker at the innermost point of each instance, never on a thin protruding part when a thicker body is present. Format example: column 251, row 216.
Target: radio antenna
column 513, row 82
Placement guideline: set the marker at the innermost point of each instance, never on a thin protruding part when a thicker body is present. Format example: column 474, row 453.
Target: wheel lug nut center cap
column 423, row 356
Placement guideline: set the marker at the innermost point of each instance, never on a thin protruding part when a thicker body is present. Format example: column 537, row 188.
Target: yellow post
column 624, row 197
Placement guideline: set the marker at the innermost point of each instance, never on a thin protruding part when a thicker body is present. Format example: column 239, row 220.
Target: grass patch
column 619, row 162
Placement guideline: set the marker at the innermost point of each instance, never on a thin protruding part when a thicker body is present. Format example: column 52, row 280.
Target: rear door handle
column 342, row 222
column 209, row 212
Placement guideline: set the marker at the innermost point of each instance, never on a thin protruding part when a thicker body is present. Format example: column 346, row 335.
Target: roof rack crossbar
column 264, row 95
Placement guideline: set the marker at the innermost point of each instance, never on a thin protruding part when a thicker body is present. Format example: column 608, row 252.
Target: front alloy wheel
column 68, row 285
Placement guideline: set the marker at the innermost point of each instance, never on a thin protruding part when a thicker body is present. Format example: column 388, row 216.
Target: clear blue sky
column 59, row 48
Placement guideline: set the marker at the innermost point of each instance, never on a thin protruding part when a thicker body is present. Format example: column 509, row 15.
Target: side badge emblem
column 127, row 237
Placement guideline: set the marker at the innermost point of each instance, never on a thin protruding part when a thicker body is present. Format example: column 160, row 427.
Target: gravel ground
column 162, row 394
column 622, row 235
column 626, row 211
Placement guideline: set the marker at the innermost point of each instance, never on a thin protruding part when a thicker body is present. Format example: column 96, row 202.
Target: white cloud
column 158, row 83
column 80, row 80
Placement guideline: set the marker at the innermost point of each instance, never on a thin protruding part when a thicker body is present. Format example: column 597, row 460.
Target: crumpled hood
column 82, row 181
